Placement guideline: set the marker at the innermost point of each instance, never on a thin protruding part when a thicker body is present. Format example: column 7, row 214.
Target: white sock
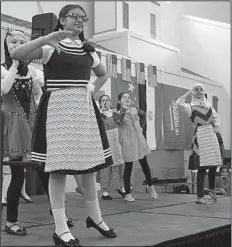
column 95, row 213
column 61, row 224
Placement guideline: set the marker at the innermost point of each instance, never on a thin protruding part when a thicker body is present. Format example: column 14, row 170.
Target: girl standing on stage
column 69, row 136
column 111, row 177
column 205, row 148
column 20, row 88
column 134, row 145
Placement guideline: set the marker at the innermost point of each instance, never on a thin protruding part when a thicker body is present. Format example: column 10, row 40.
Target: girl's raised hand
column 54, row 38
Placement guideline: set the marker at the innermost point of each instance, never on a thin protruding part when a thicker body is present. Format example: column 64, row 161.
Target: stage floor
column 139, row 223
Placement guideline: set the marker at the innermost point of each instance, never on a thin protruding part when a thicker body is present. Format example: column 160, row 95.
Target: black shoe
column 4, row 204
column 71, row 243
column 108, row 197
column 121, row 193
column 26, row 200
column 69, row 221
column 108, row 234
column 19, row 232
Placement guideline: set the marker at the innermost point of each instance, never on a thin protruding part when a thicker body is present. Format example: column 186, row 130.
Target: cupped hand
column 54, row 38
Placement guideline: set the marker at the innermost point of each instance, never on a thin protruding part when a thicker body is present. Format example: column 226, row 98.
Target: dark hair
column 222, row 168
column 119, row 98
column 102, row 97
column 23, row 65
column 63, row 12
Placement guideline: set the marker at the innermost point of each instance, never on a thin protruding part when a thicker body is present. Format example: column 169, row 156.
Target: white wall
column 139, row 17
column 141, row 49
column 205, row 49
column 104, row 16
column 153, row 52
column 170, row 22
column 117, row 42
column 25, row 10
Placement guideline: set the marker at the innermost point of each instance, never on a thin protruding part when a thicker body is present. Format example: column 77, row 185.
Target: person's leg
column 57, row 194
column 211, row 178
column 127, row 177
column 147, row 172
column 95, row 220
column 3, row 197
column 79, row 185
column 23, row 191
column 13, row 195
column 200, row 181
column 5, row 182
column 104, row 177
column 127, row 181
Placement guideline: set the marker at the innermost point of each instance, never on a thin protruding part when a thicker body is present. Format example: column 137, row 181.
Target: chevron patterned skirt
column 205, row 148
column 69, row 137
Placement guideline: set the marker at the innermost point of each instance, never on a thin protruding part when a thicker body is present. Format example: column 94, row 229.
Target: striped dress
column 205, row 146
column 69, row 135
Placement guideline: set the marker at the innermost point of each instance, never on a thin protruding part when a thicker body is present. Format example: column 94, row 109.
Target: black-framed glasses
column 77, row 17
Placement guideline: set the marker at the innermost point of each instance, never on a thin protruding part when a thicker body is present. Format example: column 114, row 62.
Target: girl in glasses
column 69, row 135
column 205, row 148
column 111, row 177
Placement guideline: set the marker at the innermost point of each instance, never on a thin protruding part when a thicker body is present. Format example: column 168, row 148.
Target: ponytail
column 119, row 98
column 58, row 26
column 87, row 47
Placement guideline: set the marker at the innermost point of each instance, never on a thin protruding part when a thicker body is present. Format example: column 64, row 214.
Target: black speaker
column 42, row 24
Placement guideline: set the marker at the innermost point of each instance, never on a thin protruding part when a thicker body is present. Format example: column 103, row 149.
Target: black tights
column 201, row 178
column 128, row 170
column 15, row 187
column 14, row 191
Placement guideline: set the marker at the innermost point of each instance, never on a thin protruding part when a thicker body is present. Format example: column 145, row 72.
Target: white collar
column 68, row 41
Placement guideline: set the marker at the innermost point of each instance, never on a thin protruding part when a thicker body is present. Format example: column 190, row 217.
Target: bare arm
column 33, row 49
column 8, row 78
column 102, row 77
column 29, row 51
column 184, row 106
column 216, row 121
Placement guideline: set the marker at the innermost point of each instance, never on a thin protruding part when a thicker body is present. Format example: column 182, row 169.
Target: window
column 126, row 15
column 215, row 103
column 153, row 26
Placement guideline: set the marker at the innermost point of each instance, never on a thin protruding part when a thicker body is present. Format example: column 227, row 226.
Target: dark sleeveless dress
column 69, row 135
column 19, row 115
